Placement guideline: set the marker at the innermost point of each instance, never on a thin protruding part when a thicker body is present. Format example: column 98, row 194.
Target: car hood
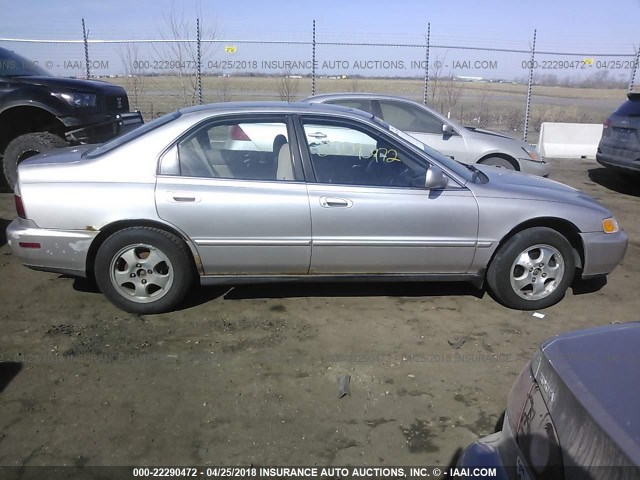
column 482, row 131
column 72, row 84
column 504, row 183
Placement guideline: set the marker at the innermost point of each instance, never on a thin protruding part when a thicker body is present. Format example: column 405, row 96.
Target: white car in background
column 465, row 144
column 247, row 137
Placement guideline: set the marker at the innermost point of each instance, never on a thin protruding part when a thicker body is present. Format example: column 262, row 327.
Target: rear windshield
column 630, row 108
column 133, row 134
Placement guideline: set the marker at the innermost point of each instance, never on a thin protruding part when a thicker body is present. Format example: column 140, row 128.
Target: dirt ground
column 249, row 375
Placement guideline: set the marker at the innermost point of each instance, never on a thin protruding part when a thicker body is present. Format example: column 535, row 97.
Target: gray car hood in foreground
column 601, row 368
column 504, row 183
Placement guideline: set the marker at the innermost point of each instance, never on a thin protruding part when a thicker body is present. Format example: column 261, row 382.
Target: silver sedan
column 340, row 195
column 465, row 144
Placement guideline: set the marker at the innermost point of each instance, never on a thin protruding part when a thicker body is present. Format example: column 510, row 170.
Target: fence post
column 529, row 87
column 426, row 66
column 86, row 48
column 313, row 61
column 632, row 80
column 199, row 62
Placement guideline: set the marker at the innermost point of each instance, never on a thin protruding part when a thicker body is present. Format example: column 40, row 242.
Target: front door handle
column 332, row 202
column 317, row 135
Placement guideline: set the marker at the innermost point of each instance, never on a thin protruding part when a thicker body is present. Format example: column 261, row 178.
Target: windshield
column 463, row 170
column 133, row 134
column 13, row 65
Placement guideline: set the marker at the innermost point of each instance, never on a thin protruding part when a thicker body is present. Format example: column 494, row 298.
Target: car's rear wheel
column 532, row 270
column 498, row 162
column 26, row 146
column 144, row 270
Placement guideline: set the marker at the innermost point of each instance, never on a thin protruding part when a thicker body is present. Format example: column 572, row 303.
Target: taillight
column 19, row 206
column 606, row 123
column 238, row 134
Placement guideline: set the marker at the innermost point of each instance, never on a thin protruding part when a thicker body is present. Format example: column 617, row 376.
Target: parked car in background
column 619, row 147
column 40, row 112
column 572, row 413
column 464, row 144
column 345, row 197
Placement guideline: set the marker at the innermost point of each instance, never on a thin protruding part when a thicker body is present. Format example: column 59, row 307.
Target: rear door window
column 364, row 105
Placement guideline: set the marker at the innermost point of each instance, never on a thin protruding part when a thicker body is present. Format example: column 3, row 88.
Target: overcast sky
column 572, row 23
column 563, row 25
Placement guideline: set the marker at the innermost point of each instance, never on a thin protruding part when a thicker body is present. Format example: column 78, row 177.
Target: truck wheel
column 144, row 270
column 532, row 270
column 25, row 146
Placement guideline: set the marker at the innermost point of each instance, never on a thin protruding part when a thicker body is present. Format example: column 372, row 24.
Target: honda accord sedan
column 341, row 195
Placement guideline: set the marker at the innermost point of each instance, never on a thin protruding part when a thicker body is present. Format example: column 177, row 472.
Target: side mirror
column 435, row 178
column 447, row 129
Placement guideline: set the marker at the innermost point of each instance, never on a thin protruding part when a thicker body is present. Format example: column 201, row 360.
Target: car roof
column 365, row 96
column 601, row 368
column 301, row 107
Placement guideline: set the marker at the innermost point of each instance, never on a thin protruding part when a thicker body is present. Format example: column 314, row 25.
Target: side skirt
column 476, row 279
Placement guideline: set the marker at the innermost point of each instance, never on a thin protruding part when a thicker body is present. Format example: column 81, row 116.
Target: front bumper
column 101, row 128
column 602, row 252
column 60, row 251
column 499, row 451
column 542, row 169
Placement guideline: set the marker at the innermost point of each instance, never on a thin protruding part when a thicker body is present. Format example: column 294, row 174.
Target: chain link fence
column 504, row 89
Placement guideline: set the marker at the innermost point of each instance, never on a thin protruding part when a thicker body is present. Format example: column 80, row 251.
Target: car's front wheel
column 532, row 270
column 144, row 270
column 498, row 162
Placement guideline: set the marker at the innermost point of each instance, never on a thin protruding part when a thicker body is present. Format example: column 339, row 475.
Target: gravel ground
column 249, row 375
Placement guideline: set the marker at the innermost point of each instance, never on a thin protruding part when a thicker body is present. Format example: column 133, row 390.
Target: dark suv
column 619, row 147
column 39, row 112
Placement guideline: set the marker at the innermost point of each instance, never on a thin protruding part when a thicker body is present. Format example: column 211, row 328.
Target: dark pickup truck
column 39, row 112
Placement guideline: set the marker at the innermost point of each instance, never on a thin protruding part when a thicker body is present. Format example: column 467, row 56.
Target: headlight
column 78, row 99
column 532, row 154
column 610, row 225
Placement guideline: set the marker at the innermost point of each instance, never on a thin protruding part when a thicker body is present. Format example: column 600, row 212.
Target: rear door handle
column 332, row 202
column 180, row 197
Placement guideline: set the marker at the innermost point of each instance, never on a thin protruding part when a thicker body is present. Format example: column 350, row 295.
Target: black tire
column 503, row 267
column 498, row 162
column 25, row 146
column 171, row 263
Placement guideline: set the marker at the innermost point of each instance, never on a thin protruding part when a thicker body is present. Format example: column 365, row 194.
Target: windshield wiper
column 474, row 169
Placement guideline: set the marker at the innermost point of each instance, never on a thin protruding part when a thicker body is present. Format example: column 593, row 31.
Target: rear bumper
column 602, row 252
column 542, row 169
column 59, row 251
column 618, row 162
